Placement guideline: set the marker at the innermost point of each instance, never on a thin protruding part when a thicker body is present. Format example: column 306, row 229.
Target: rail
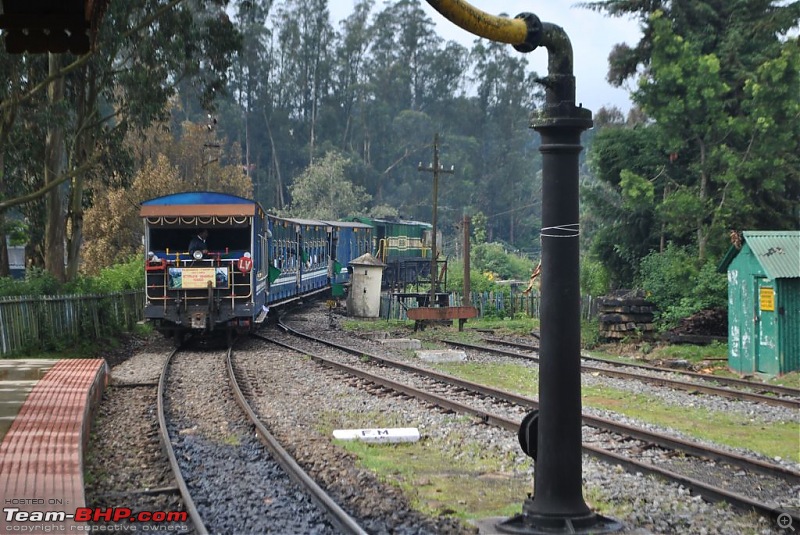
column 29, row 323
column 489, row 304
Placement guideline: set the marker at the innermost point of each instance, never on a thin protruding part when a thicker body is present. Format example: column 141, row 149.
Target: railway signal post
column 557, row 505
column 435, row 168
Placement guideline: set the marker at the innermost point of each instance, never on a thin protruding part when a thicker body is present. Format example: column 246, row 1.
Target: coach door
column 766, row 332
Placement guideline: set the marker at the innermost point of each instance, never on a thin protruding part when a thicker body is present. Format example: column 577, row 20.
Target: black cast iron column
column 557, row 505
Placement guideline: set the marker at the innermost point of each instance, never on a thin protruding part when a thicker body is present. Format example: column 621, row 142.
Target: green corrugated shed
column 764, row 302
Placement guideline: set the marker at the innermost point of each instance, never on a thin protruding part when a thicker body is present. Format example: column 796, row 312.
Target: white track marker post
column 401, row 434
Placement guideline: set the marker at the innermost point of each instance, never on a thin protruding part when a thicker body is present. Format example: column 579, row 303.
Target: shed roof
column 778, row 252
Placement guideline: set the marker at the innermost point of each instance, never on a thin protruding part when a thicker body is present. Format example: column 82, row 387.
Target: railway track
column 263, row 497
column 792, row 402
column 758, row 387
column 703, row 473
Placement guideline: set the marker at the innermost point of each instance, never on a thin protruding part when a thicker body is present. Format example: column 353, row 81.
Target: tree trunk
column 84, row 147
column 702, row 231
column 54, row 147
column 5, row 269
column 280, row 201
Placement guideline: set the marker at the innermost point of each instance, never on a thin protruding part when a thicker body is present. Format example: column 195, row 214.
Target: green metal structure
column 763, row 270
column 399, row 238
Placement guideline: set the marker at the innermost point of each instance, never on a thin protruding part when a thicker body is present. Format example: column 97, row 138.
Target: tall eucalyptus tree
column 508, row 167
column 144, row 48
column 305, row 35
column 349, row 82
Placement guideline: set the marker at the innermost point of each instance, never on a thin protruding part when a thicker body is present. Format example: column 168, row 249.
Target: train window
column 262, row 247
column 264, row 256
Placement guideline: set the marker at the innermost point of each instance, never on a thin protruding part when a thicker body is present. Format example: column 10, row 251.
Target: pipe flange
column 534, row 36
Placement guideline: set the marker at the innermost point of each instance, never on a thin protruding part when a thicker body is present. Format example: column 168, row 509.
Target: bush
column 36, row 282
column 594, row 278
column 121, row 277
column 680, row 285
column 478, row 282
column 493, row 258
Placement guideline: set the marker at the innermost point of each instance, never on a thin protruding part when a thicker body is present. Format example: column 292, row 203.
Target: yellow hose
column 480, row 23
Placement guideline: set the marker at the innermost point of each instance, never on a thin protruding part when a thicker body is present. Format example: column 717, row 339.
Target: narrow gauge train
column 404, row 246
column 251, row 261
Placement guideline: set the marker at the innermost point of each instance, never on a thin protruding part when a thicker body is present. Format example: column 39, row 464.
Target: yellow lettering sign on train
column 189, row 278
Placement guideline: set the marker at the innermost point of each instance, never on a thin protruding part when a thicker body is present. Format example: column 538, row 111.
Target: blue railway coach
column 224, row 288
column 299, row 253
column 250, row 260
column 351, row 239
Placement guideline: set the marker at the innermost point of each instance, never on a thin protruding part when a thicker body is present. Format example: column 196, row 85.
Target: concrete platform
column 41, row 455
column 17, row 378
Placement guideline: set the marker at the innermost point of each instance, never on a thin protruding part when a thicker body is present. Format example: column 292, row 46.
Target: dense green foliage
column 680, row 285
column 718, row 87
column 293, row 104
column 119, row 278
column 496, row 260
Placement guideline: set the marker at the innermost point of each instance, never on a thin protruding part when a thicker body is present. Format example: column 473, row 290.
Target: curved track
column 343, row 521
column 790, row 402
column 338, row 518
column 759, row 387
column 707, row 490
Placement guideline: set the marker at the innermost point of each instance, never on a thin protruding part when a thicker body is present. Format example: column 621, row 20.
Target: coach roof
column 199, row 203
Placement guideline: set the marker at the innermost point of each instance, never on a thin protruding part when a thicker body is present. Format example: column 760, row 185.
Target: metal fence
column 54, row 322
column 489, row 304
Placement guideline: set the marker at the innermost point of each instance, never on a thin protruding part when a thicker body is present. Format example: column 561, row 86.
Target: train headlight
column 197, row 255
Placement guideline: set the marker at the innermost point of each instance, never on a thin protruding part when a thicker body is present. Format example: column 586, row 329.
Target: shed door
column 766, row 329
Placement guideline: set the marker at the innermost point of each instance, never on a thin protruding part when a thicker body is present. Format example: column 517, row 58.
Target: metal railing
column 489, row 304
column 31, row 323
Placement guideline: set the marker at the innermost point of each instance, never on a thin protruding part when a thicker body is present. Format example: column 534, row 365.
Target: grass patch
column 689, row 352
column 771, row 439
column 377, row 324
column 505, row 376
column 790, row 379
column 459, row 477
column 515, row 326
column 232, row 440
column 467, row 483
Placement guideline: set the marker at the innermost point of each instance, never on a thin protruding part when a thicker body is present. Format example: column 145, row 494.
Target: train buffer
column 421, row 315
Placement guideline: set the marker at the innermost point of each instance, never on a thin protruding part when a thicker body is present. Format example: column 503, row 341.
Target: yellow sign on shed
column 766, row 299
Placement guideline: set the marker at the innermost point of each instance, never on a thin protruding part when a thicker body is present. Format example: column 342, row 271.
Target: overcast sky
column 592, row 36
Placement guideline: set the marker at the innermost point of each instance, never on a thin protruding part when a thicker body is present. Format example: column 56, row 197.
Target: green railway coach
column 404, row 246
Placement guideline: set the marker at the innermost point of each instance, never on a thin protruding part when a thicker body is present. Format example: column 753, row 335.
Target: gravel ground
column 124, row 462
column 643, row 504
column 234, row 482
column 125, row 458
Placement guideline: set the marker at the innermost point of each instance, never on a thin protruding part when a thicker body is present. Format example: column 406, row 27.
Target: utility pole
column 465, row 227
column 435, row 168
column 210, row 127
